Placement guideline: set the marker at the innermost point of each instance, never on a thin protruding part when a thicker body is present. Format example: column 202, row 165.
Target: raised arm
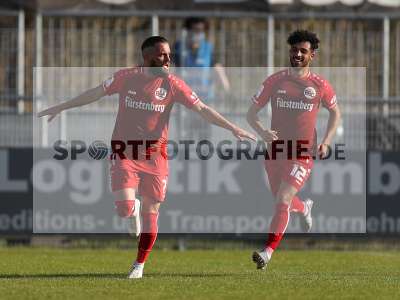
column 212, row 116
column 87, row 97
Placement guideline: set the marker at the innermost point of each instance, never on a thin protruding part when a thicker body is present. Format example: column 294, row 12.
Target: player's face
column 161, row 56
column 301, row 54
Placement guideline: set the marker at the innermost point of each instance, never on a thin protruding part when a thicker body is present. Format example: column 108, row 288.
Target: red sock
column 273, row 240
column 297, row 205
column 278, row 225
column 147, row 237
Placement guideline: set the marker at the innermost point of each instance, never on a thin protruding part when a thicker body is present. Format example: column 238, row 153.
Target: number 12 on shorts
column 299, row 173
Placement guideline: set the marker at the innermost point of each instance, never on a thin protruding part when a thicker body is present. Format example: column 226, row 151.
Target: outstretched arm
column 87, row 97
column 212, row 116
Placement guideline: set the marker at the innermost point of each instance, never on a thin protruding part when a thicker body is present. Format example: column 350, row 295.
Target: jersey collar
column 304, row 77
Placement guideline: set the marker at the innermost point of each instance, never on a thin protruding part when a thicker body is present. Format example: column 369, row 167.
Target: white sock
column 269, row 252
column 140, row 265
column 305, row 209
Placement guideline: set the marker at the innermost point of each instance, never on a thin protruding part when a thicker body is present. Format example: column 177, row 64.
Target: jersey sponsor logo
column 107, row 83
column 160, row 93
column 310, row 92
column 300, row 105
column 131, row 103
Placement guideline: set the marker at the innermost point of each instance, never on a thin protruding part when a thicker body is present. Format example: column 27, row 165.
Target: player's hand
column 52, row 112
column 269, row 135
column 323, row 150
column 241, row 134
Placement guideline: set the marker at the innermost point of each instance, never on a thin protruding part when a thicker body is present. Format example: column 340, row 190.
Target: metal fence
column 104, row 39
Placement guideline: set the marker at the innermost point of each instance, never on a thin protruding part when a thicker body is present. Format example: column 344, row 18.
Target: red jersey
column 145, row 103
column 295, row 103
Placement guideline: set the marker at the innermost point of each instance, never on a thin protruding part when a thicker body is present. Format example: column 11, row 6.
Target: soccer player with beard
column 146, row 96
column 296, row 95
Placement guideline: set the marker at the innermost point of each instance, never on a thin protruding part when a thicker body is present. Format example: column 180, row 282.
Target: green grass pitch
column 43, row 273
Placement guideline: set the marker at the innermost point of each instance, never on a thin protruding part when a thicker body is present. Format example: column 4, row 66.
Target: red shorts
column 293, row 172
column 124, row 174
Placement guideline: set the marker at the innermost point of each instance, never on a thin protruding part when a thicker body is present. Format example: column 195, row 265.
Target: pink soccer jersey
column 145, row 103
column 295, row 103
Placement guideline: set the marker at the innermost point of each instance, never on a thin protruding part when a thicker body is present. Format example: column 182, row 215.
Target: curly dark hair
column 299, row 36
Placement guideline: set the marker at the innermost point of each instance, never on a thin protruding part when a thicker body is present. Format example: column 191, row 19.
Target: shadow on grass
column 192, row 275
column 111, row 275
column 63, row 276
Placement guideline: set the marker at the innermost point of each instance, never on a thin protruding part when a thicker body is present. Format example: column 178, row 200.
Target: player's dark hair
column 152, row 41
column 299, row 36
column 189, row 22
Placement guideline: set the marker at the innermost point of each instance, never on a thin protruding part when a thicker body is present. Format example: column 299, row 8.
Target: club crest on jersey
column 310, row 92
column 160, row 94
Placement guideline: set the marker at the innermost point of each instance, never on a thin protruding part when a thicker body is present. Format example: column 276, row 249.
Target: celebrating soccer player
column 296, row 95
column 146, row 97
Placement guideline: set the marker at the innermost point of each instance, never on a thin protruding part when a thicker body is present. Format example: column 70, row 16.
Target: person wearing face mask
column 193, row 50
column 194, row 54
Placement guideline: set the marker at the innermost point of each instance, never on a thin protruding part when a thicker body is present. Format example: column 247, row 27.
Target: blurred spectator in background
column 195, row 54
